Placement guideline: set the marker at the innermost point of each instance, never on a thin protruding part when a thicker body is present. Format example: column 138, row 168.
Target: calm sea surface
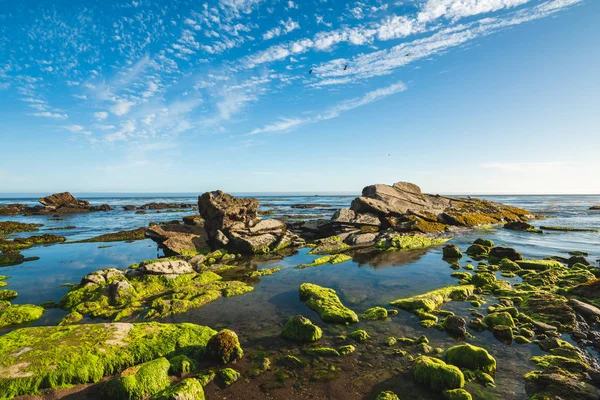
column 367, row 281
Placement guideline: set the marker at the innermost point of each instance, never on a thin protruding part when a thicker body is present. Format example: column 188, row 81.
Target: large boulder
column 179, row 239
column 66, row 203
column 221, row 210
column 233, row 223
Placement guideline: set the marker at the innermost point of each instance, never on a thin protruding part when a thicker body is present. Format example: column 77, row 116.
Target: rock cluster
column 403, row 208
column 157, row 206
column 187, row 238
column 233, row 223
column 57, row 203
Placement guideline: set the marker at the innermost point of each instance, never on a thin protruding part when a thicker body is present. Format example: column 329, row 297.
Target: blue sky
column 458, row 96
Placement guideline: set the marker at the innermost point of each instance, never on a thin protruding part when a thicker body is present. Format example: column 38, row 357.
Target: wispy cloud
column 285, row 124
column 47, row 114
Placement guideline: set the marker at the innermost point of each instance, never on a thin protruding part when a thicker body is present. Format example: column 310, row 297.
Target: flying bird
column 346, row 67
column 310, row 72
column 408, row 54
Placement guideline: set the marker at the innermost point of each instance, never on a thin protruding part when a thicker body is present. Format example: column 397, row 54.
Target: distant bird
column 310, row 72
column 408, row 54
column 346, row 67
column 389, row 155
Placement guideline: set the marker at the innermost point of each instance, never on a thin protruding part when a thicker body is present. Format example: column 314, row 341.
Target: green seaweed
column 327, row 304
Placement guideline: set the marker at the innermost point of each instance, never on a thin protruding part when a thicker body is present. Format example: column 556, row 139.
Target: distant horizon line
column 6, row 195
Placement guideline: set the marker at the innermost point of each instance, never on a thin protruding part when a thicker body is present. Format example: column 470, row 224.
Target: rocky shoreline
column 131, row 356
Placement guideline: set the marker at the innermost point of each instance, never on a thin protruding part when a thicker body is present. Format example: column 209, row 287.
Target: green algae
column 407, row 242
column 478, row 251
column 141, row 381
column 301, row 329
column 481, row 279
column 431, row 301
column 471, row 357
column 206, row 377
column 323, row 352
column 15, row 314
column 375, row 314
column 457, row 394
column 568, row 229
column 327, row 304
column 451, row 252
column 51, row 357
column 8, row 294
column 330, row 259
column 121, row 236
column 499, row 318
column 158, row 295
column 539, row 265
column 263, row 272
column 8, row 227
column 330, row 245
column 436, row 374
column 187, row 389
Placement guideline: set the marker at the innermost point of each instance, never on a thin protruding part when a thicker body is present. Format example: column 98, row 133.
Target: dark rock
column 519, row 226
column 451, row 251
column 577, row 259
column 505, row 252
column 308, row 206
column 179, row 239
column 222, row 211
column 595, row 208
column 455, row 325
column 587, row 310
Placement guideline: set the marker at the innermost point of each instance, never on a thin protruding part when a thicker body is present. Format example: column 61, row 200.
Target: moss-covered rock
column 549, row 308
column 48, row 357
column 121, row 236
column 71, row 318
column 436, row 374
column 499, row 318
column 484, row 242
column 359, row 336
column 181, row 364
column 228, row 376
column 471, row 357
column 451, row 252
column 224, row 347
column 330, row 259
column 327, row 304
column 375, row 314
column 141, row 381
column 8, row 294
column 15, row 314
column 187, row 389
column 387, row 395
column 431, row 301
column 346, row 349
column 540, row 265
column 301, row 329
column 263, row 272
column 457, row 394
column 323, row 352
column 8, row 227
column 478, row 251
column 206, row 377
column 406, row 242
column 481, row 279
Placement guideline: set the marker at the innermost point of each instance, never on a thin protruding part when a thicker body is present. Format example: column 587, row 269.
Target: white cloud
column 456, row 9
column 103, row 127
column 284, row 124
column 47, row 114
column 121, row 107
column 101, row 115
column 74, row 128
column 127, row 128
column 286, row 27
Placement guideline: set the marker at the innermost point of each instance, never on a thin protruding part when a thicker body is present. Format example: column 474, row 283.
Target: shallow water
column 367, row 281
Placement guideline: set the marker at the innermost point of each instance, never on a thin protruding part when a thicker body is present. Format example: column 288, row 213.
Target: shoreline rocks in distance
column 158, row 206
column 55, row 204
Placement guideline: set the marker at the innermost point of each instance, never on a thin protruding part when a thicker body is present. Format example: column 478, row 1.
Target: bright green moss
column 181, row 364
column 19, row 314
column 560, row 362
column 129, row 236
column 471, row 357
column 48, row 357
column 430, row 301
column 187, row 389
column 478, row 251
column 301, row 329
column 568, row 229
column 327, row 304
column 205, row 377
column 436, row 374
column 457, row 394
column 8, row 227
column 71, row 318
column 375, row 314
column 141, row 381
column 359, row 336
column 225, row 347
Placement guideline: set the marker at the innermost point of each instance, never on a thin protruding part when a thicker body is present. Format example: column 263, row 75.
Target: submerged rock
column 129, row 236
column 451, row 251
column 301, row 329
column 47, row 357
column 327, row 304
column 225, row 347
column 7, row 227
column 436, row 374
